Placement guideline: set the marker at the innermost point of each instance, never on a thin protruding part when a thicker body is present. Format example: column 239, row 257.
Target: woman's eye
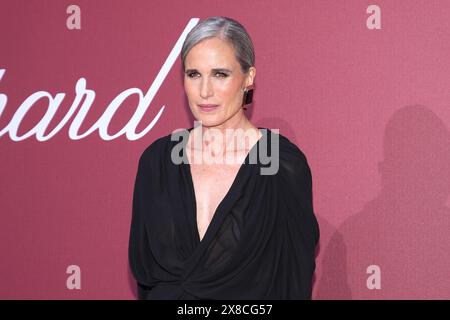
column 221, row 75
column 193, row 74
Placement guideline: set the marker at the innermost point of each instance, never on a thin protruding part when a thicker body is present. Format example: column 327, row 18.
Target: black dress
column 260, row 243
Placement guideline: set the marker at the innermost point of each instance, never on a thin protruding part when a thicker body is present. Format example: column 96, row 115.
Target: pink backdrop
column 369, row 107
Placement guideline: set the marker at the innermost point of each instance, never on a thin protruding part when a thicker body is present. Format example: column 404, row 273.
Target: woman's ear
column 250, row 76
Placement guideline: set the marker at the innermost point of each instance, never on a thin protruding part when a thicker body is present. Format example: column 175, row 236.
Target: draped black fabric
column 260, row 243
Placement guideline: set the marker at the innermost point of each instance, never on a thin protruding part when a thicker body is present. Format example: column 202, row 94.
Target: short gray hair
column 226, row 29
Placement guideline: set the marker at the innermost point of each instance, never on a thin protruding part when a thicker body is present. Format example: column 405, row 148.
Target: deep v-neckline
column 193, row 205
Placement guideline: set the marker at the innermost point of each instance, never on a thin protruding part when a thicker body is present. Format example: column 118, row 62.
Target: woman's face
column 214, row 83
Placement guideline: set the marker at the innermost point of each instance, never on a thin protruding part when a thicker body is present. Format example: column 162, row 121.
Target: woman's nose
column 206, row 90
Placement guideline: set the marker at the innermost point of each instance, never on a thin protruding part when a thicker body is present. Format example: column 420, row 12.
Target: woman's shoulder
column 161, row 149
column 158, row 150
column 289, row 151
column 156, row 146
column 292, row 159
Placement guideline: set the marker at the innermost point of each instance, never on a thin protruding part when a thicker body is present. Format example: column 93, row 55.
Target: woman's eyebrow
column 213, row 70
column 221, row 70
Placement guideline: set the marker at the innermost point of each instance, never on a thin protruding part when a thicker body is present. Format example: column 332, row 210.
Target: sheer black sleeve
column 302, row 226
column 139, row 246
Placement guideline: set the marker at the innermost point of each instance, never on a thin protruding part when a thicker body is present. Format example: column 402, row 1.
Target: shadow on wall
column 331, row 271
column 404, row 230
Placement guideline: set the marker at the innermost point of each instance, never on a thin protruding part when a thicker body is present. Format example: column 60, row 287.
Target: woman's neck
column 236, row 136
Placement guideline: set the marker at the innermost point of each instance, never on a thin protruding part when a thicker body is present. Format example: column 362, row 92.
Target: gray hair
column 226, row 29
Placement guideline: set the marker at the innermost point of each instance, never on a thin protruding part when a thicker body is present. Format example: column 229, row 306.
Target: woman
column 222, row 229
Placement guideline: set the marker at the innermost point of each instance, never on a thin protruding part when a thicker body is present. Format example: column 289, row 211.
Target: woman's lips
column 208, row 107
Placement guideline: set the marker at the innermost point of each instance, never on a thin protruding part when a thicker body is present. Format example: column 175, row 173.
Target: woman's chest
column 211, row 185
